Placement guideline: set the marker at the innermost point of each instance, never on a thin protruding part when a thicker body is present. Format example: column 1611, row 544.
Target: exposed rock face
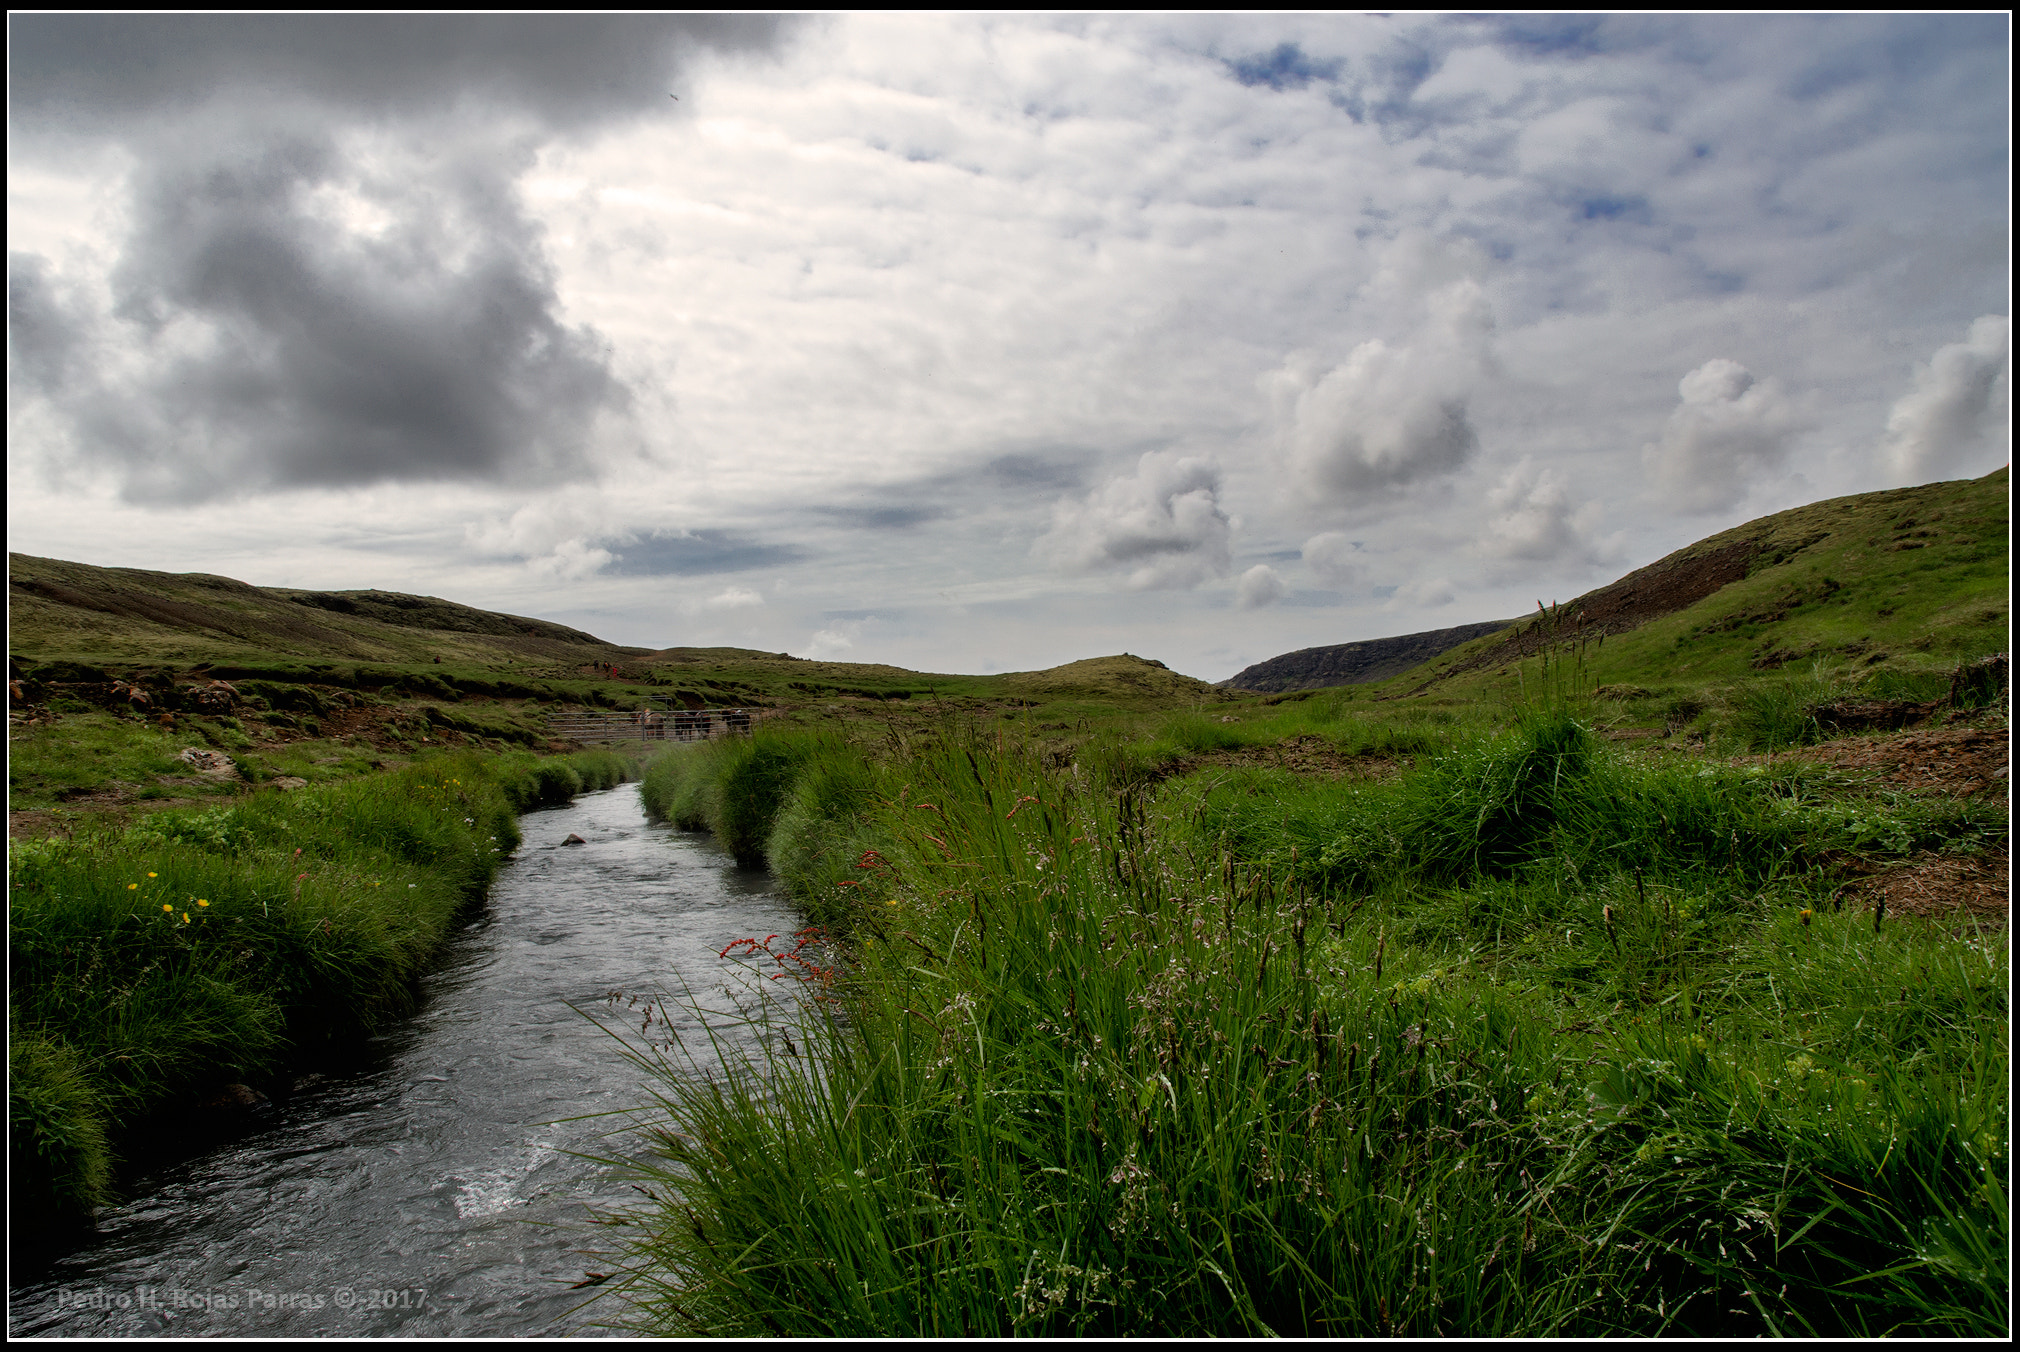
column 1374, row 659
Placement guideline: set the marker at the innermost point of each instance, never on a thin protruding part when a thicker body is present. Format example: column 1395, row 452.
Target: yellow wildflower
column 131, row 886
column 201, row 902
column 166, row 907
column 153, row 875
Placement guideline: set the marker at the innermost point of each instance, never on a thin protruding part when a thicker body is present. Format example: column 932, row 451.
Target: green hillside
column 117, row 674
column 60, row 611
column 1886, row 587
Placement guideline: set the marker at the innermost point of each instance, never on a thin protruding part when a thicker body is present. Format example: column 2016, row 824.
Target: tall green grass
column 198, row 948
column 734, row 787
column 1542, row 792
column 823, row 844
column 1529, row 1043
column 1773, row 714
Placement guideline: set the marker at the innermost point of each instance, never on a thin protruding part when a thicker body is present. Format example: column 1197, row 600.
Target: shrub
column 1490, row 807
column 682, row 784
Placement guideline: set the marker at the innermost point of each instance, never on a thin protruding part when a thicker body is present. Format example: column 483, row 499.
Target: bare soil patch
column 1953, row 762
column 113, row 808
column 1307, row 754
column 1974, row 888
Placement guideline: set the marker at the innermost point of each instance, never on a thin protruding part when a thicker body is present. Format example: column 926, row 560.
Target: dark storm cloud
column 44, row 328
column 329, row 279
column 664, row 554
column 98, row 71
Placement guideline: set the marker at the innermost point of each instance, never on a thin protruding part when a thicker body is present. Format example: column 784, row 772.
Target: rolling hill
column 78, row 623
column 1902, row 578
column 1362, row 663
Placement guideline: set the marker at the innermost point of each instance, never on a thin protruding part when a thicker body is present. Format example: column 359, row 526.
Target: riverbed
column 437, row 1186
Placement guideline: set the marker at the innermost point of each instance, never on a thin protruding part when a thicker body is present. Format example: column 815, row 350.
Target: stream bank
column 437, row 1188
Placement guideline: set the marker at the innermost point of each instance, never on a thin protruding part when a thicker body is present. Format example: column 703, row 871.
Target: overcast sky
column 979, row 343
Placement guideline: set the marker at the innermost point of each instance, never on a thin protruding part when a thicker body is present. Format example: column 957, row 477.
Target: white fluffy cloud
column 1424, row 593
column 1391, row 413
column 1727, row 428
column 1260, row 586
column 1958, row 417
column 1161, row 526
column 831, row 642
column 730, row 598
column 840, row 326
column 1332, row 558
column 1533, row 516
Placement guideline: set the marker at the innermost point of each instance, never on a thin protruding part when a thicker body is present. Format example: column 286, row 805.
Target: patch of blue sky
column 1609, row 208
column 1285, row 67
column 1561, row 35
column 669, row 554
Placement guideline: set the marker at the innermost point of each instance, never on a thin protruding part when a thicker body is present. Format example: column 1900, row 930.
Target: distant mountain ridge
column 1369, row 660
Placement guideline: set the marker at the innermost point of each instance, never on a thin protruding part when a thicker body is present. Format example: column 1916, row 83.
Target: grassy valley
column 1639, row 969
column 1652, row 986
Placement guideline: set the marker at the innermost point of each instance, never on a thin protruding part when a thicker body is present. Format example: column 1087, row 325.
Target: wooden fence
column 652, row 725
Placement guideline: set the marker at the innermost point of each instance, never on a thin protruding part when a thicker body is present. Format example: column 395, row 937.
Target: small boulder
column 235, row 1096
column 208, row 762
column 574, row 839
column 215, row 698
column 289, row 783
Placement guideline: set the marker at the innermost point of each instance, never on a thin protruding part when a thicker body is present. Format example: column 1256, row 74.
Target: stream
column 429, row 1188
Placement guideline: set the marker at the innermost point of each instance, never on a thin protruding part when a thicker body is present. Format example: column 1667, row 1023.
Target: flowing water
column 431, row 1189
